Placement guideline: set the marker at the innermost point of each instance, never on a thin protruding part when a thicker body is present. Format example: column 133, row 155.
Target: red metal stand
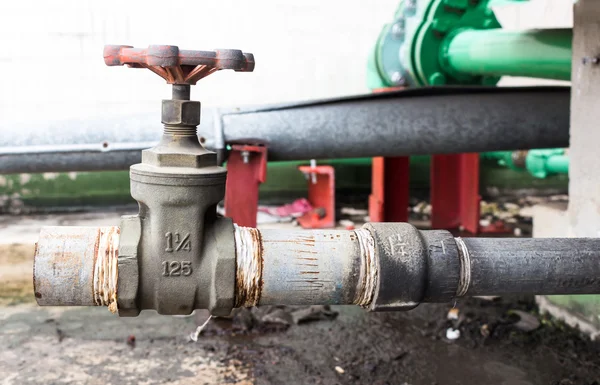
column 388, row 201
column 246, row 170
column 455, row 192
column 321, row 196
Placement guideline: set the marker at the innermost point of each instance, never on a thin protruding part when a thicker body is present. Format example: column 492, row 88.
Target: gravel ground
column 92, row 346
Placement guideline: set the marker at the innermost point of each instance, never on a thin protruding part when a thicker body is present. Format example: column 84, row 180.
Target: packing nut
column 180, row 112
column 167, row 158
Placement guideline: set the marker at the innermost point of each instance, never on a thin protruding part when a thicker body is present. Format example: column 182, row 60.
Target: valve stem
column 181, row 92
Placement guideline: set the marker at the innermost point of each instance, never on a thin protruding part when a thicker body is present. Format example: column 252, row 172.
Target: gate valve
column 177, row 254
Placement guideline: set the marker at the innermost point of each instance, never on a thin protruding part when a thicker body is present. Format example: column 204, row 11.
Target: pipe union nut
column 128, row 283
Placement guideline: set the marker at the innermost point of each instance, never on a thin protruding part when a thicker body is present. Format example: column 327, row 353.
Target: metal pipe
column 181, row 92
column 558, row 164
column 544, row 53
column 541, row 266
column 394, row 266
column 409, row 122
column 319, row 267
column 76, row 266
column 541, row 163
column 382, row 266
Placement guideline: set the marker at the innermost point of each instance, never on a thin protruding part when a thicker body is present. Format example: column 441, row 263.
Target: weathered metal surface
column 129, row 266
column 409, row 122
column 500, row 266
column 383, row 266
column 249, row 266
column 185, row 254
column 464, row 280
column 106, row 272
column 275, row 267
column 178, row 66
column 402, row 266
column 306, row 268
column 369, row 268
column 76, row 266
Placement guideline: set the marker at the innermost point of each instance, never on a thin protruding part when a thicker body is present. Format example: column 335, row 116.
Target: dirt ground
column 92, row 346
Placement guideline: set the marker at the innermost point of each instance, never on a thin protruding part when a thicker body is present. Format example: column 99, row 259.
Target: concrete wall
column 582, row 217
column 584, row 184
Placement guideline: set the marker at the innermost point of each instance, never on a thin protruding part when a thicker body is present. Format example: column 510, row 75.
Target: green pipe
column 558, row 164
column 541, row 163
column 542, row 53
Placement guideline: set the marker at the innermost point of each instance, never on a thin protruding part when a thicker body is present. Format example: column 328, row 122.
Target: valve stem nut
column 180, row 112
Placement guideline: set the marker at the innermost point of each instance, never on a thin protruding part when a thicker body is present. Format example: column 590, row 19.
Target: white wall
column 52, row 65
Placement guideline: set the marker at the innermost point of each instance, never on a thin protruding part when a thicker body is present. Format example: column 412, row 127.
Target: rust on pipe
column 249, row 262
column 369, row 269
column 291, row 267
column 77, row 266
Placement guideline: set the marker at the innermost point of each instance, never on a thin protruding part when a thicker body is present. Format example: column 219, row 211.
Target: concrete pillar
column 583, row 213
column 584, row 153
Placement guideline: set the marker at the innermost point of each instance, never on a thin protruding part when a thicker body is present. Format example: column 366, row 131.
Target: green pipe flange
column 444, row 18
column 387, row 48
column 410, row 50
column 392, row 51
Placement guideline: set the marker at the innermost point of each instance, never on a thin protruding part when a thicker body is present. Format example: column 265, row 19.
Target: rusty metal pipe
column 382, row 266
column 77, row 266
column 276, row 267
column 378, row 267
column 394, row 266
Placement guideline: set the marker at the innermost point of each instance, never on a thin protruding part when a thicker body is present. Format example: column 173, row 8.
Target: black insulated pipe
column 411, row 122
column 501, row 266
column 438, row 120
column 432, row 266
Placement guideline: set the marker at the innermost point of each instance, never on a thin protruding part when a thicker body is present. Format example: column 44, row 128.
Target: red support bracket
column 455, row 192
column 246, row 170
column 321, row 195
column 389, row 197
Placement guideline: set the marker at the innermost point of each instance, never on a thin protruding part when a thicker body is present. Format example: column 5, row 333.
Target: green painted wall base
column 578, row 311
column 52, row 192
column 586, row 307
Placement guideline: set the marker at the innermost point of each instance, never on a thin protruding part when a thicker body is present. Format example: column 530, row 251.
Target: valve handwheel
column 178, row 66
